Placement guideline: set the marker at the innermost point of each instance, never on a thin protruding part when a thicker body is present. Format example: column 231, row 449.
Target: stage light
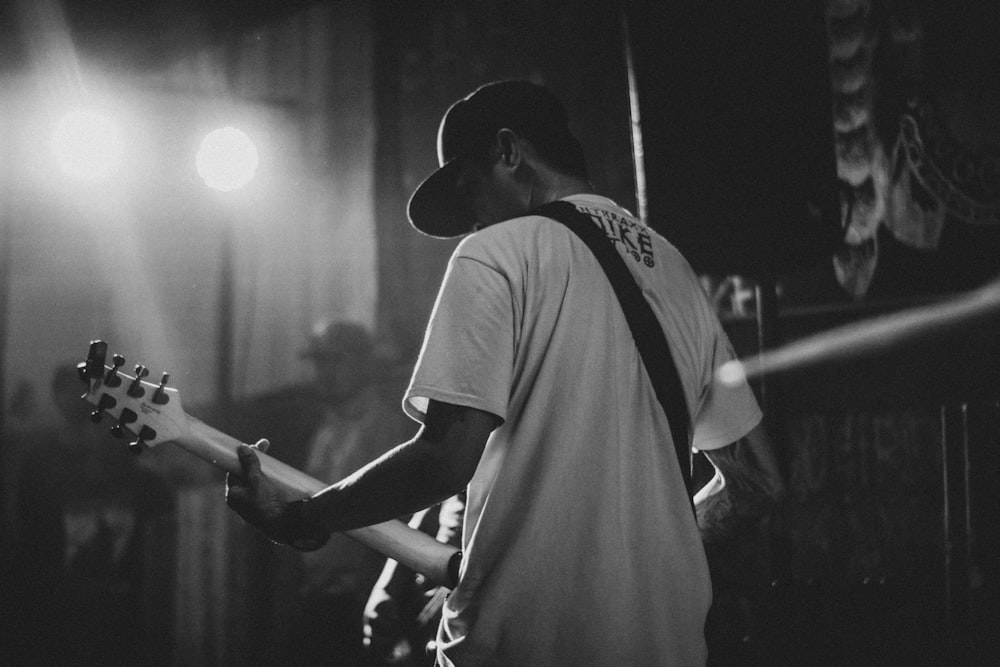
column 227, row 159
column 731, row 373
column 87, row 144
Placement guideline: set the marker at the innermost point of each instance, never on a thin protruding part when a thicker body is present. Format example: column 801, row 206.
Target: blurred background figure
column 320, row 596
column 85, row 586
column 404, row 609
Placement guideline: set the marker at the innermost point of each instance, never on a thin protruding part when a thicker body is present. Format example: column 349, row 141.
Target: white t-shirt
column 580, row 544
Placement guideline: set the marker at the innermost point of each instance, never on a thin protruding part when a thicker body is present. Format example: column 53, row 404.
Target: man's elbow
column 776, row 489
column 452, row 441
column 764, row 461
column 445, row 475
column 451, row 480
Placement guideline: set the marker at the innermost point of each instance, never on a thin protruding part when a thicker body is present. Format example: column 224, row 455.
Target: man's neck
column 556, row 186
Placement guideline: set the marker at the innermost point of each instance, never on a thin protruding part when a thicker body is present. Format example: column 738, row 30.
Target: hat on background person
column 338, row 337
column 467, row 129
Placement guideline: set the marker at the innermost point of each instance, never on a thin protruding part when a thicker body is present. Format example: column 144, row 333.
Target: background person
column 324, row 592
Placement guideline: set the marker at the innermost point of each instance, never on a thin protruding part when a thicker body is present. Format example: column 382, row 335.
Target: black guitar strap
column 646, row 329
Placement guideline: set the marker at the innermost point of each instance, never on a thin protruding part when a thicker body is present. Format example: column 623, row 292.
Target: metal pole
column 638, row 152
column 768, row 337
column 955, row 515
column 224, row 343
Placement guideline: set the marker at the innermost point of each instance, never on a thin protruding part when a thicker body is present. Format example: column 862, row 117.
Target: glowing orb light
column 227, row 159
column 87, row 144
column 731, row 373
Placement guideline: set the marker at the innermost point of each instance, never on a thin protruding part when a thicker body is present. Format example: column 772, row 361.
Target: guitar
column 153, row 414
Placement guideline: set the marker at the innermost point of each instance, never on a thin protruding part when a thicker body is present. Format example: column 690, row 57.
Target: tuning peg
column 145, row 434
column 106, row 403
column 160, row 396
column 135, row 389
column 124, row 419
column 96, row 356
column 112, row 379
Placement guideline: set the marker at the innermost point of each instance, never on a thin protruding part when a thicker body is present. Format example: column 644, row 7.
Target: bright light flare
column 227, row 159
column 87, row 144
column 731, row 374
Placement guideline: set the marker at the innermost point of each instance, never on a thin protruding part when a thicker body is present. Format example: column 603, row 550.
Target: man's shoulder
column 598, row 204
column 511, row 238
column 535, row 237
column 524, row 231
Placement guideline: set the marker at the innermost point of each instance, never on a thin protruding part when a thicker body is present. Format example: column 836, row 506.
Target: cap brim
column 434, row 208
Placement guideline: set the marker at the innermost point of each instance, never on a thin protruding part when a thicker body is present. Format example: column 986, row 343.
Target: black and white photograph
column 500, row 333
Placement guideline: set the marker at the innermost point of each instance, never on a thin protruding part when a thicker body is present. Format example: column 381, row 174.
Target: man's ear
column 510, row 147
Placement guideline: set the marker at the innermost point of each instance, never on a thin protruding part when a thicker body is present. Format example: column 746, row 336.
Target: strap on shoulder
column 646, row 330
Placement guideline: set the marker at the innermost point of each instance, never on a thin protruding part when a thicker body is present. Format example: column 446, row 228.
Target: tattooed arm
column 746, row 486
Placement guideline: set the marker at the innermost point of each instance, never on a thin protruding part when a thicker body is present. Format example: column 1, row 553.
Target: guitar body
column 153, row 413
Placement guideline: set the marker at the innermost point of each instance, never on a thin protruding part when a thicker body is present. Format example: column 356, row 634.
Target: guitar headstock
column 150, row 412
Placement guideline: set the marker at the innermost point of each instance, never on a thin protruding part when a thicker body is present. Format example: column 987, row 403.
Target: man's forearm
column 746, row 487
column 435, row 465
column 402, row 481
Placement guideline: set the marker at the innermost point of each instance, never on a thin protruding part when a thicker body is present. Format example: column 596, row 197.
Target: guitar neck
column 393, row 539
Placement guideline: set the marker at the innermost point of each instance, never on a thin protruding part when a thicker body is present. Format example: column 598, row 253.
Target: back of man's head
column 468, row 129
column 531, row 110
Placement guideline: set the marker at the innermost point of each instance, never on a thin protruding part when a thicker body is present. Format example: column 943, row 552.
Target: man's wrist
column 295, row 511
column 303, row 532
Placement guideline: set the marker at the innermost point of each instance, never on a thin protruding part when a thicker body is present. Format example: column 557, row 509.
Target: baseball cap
column 467, row 129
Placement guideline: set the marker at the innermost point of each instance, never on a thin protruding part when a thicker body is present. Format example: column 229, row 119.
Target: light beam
column 868, row 337
column 87, row 144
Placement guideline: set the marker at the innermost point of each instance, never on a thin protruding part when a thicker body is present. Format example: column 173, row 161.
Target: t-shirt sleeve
column 468, row 349
column 726, row 413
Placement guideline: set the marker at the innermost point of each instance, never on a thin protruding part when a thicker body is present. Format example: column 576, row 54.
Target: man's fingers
column 233, row 480
column 236, row 493
column 249, row 465
column 249, row 462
